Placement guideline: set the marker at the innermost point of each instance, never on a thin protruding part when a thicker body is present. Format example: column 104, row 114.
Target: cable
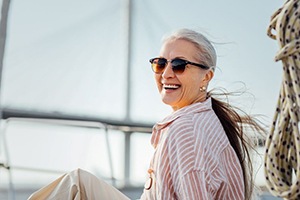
column 282, row 157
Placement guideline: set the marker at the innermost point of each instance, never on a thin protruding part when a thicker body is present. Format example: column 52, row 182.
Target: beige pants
column 78, row 185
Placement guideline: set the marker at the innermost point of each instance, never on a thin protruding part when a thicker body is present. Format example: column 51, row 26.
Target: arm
column 194, row 185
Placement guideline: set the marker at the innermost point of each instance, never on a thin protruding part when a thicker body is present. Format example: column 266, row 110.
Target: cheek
column 191, row 89
column 199, row 81
column 192, row 83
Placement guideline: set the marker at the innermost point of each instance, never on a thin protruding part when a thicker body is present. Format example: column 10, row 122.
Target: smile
column 171, row 87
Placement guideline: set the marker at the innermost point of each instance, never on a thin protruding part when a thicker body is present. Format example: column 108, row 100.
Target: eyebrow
column 182, row 57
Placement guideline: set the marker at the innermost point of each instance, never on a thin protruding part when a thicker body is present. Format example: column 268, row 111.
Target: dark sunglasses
column 178, row 65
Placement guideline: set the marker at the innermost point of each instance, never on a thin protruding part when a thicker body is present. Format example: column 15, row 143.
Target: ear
column 208, row 76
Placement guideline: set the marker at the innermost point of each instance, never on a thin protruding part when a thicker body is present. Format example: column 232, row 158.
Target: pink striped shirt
column 193, row 158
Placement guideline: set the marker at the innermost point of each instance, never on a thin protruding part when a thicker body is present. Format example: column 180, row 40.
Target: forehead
column 178, row 48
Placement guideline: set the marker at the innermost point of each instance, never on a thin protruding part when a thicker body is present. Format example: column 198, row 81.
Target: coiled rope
column 282, row 157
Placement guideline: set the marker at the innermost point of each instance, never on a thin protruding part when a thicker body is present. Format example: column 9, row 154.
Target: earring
column 202, row 89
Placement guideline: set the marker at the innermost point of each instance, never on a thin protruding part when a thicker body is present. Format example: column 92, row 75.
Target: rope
column 282, row 158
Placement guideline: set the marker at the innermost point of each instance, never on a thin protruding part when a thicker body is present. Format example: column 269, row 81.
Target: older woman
column 200, row 151
column 198, row 154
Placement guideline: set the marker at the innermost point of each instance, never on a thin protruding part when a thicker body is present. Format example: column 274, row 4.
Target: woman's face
column 182, row 89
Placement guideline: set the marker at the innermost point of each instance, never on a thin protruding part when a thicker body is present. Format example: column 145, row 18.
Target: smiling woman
column 201, row 150
column 194, row 144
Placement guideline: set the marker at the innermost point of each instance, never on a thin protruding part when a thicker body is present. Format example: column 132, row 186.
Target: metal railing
column 74, row 121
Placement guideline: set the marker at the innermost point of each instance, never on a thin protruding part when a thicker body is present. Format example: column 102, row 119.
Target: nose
column 168, row 72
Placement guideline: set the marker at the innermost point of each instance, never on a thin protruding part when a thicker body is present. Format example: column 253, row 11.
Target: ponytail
column 233, row 124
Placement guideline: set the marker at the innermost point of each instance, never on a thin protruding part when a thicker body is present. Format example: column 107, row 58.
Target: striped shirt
column 193, row 158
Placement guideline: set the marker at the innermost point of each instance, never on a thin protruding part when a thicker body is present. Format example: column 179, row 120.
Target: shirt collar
column 187, row 110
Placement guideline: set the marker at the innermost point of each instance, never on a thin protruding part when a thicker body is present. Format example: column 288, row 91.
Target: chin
column 169, row 103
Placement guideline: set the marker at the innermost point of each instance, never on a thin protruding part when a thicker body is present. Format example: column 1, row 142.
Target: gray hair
column 207, row 54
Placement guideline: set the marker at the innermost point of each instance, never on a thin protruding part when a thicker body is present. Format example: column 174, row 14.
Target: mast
column 128, row 37
column 3, row 30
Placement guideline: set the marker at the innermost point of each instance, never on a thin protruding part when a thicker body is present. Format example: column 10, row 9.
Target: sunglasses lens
column 178, row 66
column 158, row 64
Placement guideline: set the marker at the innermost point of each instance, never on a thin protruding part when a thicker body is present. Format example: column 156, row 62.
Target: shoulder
column 210, row 141
column 203, row 129
column 200, row 133
column 194, row 122
column 210, row 132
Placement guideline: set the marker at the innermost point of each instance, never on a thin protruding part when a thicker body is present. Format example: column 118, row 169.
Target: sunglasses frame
column 186, row 62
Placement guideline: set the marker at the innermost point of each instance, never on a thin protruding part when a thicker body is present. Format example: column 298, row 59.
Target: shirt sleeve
column 224, row 182
column 194, row 185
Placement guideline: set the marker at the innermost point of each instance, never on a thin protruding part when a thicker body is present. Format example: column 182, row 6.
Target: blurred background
column 77, row 90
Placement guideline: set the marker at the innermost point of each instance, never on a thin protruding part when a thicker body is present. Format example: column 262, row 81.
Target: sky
column 69, row 56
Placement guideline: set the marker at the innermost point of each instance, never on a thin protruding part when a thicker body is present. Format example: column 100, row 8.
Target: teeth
column 171, row 86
